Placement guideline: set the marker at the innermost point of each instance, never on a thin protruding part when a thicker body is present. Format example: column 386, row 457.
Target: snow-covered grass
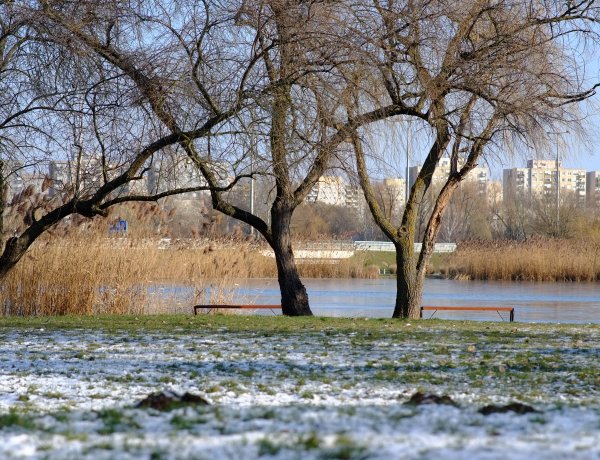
column 296, row 388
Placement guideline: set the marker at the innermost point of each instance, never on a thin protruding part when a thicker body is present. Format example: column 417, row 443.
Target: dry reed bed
column 93, row 277
column 534, row 260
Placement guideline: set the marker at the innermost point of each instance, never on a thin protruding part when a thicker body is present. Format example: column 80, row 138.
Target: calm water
column 533, row 302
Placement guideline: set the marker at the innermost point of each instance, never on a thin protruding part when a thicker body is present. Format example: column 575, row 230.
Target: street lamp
column 557, row 189
column 252, row 186
column 406, row 182
column 558, row 134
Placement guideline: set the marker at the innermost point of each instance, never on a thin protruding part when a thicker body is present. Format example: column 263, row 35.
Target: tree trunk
column 409, row 285
column 13, row 251
column 412, row 269
column 409, row 296
column 2, row 203
column 294, row 299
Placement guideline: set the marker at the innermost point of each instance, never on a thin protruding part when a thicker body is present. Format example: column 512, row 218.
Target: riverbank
column 296, row 388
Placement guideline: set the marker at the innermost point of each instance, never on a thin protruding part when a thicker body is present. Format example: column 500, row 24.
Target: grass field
column 295, row 388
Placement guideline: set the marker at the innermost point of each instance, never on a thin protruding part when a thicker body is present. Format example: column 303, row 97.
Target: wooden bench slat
column 236, row 307
column 423, row 308
column 435, row 308
column 469, row 308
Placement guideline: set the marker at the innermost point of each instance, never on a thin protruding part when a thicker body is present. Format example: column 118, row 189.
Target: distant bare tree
column 514, row 218
column 389, row 198
column 317, row 220
column 543, row 215
column 467, row 215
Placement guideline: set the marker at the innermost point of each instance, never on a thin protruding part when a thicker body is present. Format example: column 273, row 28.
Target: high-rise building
column 541, row 178
column 329, row 190
column 60, row 173
column 397, row 186
column 593, row 188
column 86, row 171
column 171, row 174
column 478, row 175
column 12, row 172
column 515, row 182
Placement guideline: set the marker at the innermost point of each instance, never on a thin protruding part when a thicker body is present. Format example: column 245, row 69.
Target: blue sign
column 119, row 227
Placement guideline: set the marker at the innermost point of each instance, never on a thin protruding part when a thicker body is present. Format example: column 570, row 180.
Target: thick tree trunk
column 412, row 269
column 409, row 297
column 13, row 251
column 409, row 284
column 294, row 299
column 2, row 203
column 16, row 247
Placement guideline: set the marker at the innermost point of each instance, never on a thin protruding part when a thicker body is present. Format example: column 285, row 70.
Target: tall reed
column 533, row 260
column 96, row 275
column 93, row 277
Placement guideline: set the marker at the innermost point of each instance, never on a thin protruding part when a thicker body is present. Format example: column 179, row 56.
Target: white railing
column 387, row 246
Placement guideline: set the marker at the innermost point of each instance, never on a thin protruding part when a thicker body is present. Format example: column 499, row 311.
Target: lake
column 533, row 302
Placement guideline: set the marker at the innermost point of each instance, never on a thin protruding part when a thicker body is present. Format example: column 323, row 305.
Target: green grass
column 14, row 419
column 384, row 259
column 470, row 330
column 379, row 258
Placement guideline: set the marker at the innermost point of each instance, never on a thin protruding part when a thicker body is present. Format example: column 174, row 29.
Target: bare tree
column 23, row 102
column 288, row 61
column 481, row 75
column 64, row 105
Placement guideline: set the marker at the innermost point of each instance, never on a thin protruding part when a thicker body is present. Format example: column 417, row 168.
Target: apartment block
column 11, row 175
column 440, row 174
column 593, row 188
column 354, row 197
column 478, row 175
column 170, row 174
column 397, row 188
column 334, row 190
column 542, row 178
column 515, row 182
column 61, row 174
column 573, row 181
column 329, row 190
column 86, row 171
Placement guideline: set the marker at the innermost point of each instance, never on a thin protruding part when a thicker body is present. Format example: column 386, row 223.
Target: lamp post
column 252, row 186
column 558, row 134
column 557, row 189
column 253, row 149
column 406, row 182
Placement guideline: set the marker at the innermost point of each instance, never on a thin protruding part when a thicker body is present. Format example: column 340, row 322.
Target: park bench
column 436, row 308
column 208, row 308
